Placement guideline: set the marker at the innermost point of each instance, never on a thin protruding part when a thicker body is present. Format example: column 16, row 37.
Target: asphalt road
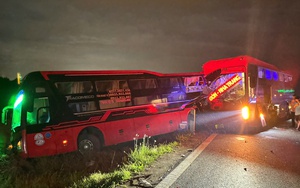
column 268, row 159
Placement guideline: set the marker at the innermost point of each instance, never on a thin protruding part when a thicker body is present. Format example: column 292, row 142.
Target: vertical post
column 194, row 124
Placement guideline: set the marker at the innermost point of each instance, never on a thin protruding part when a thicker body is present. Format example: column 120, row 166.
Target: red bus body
column 61, row 111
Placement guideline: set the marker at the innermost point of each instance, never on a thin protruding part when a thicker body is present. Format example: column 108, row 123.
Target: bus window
column 169, row 83
column 148, row 83
column 141, row 96
column 193, row 84
column 40, row 113
column 85, row 106
column 108, row 85
column 227, row 89
column 281, row 78
column 287, row 78
column 104, row 86
column 146, row 100
column 74, row 87
column 113, row 94
column 123, row 84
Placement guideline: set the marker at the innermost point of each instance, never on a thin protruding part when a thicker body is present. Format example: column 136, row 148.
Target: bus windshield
column 227, row 88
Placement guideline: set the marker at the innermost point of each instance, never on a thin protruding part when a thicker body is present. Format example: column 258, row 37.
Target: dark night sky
column 164, row 36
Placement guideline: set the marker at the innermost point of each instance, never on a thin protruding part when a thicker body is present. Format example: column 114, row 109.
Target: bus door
column 38, row 115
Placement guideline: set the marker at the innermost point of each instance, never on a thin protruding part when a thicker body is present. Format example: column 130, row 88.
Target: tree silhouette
column 8, row 89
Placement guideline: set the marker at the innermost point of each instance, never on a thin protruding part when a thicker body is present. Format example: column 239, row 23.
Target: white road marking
column 172, row 177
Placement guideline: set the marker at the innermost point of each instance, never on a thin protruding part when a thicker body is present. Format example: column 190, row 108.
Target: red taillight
column 152, row 109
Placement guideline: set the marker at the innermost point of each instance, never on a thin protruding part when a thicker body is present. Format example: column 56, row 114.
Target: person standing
column 293, row 104
column 297, row 114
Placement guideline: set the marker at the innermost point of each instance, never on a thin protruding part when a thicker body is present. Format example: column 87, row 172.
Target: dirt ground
column 166, row 163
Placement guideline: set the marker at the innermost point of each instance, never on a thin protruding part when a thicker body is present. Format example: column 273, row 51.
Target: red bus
column 57, row 112
column 245, row 83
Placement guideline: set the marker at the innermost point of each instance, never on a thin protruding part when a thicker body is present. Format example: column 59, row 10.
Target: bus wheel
column 284, row 112
column 88, row 144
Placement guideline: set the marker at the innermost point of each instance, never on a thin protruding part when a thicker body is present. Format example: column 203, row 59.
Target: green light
column 16, row 116
column 19, row 100
column 285, row 91
column 7, row 111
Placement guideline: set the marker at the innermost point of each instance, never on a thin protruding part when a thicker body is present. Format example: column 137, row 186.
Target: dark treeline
column 8, row 88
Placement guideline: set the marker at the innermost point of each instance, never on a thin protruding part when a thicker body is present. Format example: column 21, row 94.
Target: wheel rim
column 86, row 146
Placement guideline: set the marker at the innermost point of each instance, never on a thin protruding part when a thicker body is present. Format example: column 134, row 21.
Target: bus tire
column 284, row 111
column 88, row 144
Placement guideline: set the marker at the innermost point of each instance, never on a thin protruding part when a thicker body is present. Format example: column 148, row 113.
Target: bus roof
column 243, row 60
column 186, row 74
column 46, row 74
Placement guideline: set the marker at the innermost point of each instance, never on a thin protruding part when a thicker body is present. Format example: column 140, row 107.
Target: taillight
column 153, row 109
column 245, row 112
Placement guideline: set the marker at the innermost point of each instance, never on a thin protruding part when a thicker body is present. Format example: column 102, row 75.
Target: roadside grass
column 184, row 137
column 107, row 168
column 57, row 171
column 138, row 159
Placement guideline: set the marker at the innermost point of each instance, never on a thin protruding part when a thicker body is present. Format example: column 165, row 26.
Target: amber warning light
column 223, row 88
column 65, row 142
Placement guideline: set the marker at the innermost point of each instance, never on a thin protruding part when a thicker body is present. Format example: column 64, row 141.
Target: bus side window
column 74, row 87
column 104, row 86
column 84, row 106
column 40, row 113
column 147, row 100
column 123, row 84
column 139, row 84
column 113, row 94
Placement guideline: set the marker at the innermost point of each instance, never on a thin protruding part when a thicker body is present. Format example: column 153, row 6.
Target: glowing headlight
column 245, row 112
